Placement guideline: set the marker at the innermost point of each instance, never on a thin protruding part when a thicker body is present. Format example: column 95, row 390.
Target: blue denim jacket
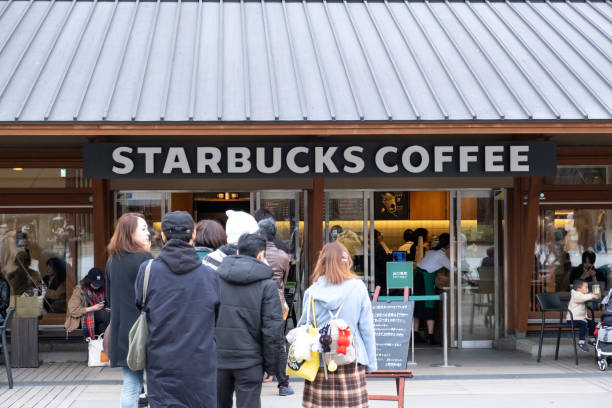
column 356, row 312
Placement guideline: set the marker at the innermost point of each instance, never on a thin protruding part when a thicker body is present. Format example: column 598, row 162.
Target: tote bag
column 97, row 358
column 139, row 333
column 306, row 369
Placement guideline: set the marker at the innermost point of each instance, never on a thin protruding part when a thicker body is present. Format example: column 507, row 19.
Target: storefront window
column 152, row 204
column 46, row 253
column 564, row 236
column 43, row 178
column 581, row 175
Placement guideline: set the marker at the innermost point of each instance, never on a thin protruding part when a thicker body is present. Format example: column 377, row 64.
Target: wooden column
column 316, row 198
column 101, row 220
column 525, row 203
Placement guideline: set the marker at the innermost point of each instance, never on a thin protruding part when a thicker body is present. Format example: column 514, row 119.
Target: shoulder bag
column 139, row 333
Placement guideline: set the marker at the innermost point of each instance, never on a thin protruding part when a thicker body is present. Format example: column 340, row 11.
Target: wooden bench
column 400, row 378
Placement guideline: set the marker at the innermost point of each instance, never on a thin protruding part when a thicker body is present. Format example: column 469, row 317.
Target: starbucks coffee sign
column 109, row 160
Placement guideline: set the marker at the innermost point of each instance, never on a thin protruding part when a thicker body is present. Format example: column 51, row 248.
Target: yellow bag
column 306, row 369
column 27, row 306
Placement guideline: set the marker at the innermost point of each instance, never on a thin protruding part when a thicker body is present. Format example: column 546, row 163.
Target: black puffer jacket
column 250, row 318
column 5, row 298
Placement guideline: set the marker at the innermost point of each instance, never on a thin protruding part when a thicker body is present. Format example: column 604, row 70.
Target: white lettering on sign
column 466, row 157
column 238, row 160
column 208, row 157
column 519, row 158
column 261, row 160
column 149, row 154
column 291, row 154
column 324, row 158
column 126, row 162
column 379, row 159
column 407, row 155
column 442, row 154
column 176, row 159
column 494, row 158
column 352, row 156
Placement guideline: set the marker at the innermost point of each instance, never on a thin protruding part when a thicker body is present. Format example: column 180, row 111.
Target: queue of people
column 214, row 308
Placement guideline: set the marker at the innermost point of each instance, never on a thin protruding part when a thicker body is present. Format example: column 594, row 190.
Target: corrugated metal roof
column 121, row 61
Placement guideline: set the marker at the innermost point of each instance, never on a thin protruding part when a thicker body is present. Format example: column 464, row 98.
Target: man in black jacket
column 249, row 324
column 182, row 304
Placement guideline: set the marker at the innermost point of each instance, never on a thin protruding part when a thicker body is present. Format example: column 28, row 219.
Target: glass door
column 477, row 254
column 288, row 210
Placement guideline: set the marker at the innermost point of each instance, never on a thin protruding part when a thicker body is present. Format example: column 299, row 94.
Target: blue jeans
column 582, row 326
column 132, row 384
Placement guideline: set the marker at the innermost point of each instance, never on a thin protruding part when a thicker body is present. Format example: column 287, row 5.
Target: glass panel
column 43, row 178
column 564, row 235
column 581, row 175
column 53, row 251
column 152, row 204
column 478, row 265
column 345, row 224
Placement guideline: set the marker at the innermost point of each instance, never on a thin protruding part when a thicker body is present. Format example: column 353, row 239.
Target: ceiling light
column 17, row 168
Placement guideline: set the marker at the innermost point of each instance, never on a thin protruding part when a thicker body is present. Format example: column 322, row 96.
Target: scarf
column 88, row 320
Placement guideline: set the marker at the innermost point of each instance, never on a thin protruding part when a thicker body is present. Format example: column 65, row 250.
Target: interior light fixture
column 17, row 168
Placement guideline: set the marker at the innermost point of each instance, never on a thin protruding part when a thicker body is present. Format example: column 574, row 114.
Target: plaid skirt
column 344, row 388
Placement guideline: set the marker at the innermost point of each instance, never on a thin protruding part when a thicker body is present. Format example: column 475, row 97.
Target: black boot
column 431, row 341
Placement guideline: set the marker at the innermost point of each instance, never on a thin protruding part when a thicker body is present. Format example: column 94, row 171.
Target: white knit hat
column 238, row 223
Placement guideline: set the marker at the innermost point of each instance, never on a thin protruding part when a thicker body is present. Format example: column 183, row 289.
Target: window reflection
column 568, row 239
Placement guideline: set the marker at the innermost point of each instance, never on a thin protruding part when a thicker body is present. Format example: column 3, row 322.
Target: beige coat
column 77, row 307
column 577, row 305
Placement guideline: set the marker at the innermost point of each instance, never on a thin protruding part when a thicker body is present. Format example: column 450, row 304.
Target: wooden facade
column 523, row 200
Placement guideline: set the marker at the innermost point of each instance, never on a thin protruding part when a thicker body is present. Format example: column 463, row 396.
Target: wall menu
column 392, row 328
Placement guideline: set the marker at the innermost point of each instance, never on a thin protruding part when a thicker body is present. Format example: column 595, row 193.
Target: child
column 577, row 305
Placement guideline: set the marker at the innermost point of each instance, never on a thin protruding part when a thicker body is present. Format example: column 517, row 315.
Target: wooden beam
column 41, row 158
column 101, row 218
column 318, row 129
column 581, row 155
column 316, row 199
column 529, row 188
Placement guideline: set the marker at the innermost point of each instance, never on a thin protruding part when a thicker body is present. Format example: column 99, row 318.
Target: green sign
column 399, row 275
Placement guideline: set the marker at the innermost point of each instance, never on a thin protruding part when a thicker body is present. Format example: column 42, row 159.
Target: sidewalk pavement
column 484, row 378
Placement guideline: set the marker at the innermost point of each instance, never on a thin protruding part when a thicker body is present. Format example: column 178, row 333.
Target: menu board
column 392, row 328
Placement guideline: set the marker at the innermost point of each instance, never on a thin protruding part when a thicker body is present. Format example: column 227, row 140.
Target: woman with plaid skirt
column 335, row 285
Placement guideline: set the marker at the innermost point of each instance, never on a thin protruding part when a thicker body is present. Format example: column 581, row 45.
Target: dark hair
column 267, row 229
column 578, row 283
column 377, row 233
column 262, row 214
column 590, row 255
column 210, row 233
column 408, row 235
column 251, row 245
column 421, row 232
column 59, row 271
column 122, row 241
column 443, row 241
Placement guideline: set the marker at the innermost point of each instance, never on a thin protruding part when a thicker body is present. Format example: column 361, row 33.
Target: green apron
column 429, row 282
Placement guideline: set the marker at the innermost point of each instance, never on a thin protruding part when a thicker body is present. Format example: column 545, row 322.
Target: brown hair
column 334, row 263
column 210, row 233
column 122, row 240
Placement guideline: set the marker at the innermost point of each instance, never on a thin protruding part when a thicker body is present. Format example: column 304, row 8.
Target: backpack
column 337, row 346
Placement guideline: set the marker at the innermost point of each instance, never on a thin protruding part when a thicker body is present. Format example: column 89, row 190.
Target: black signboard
column 113, row 160
column 392, row 328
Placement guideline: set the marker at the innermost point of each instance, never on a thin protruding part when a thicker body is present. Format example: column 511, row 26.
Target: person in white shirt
column 577, row 305
column 424, row 283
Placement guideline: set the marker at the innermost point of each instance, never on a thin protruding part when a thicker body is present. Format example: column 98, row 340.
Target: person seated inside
column 577, row 305
column 86, row 305
column 586, row 271
column 23, row 279
column 55, row 280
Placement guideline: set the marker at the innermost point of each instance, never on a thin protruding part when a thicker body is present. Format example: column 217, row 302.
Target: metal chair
column 550, row 302
column 7, row 361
